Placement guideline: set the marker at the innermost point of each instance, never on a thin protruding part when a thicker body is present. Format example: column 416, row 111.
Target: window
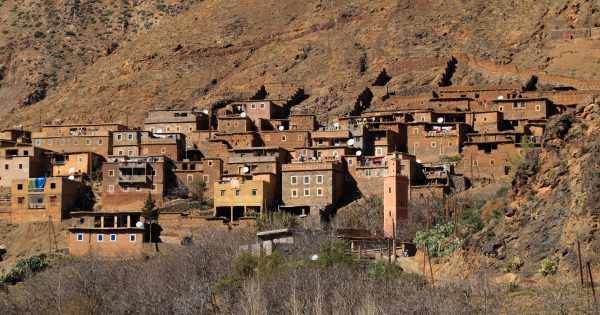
column 538, row 108
column 20, row 200
column 52, row 185
column 49, row 141
column 25, row 152
column 319, row 179
column 294, row 180
column 79, row 237
column 390, row 190
column 253, row 106
column 20, row 166
column 88, row 141
column 306, row 180
column 111, row 188
column 111, row 173
column 294, row 193
column 319, row 191
column 283, row 138
column 120, row 152
column 125, row 188
column 113, row 237
column 253, row 192
column 300, row 138
column 237, row 192
column 262, row 105
column 38, row 142
column 415, row 131
column 119, row 137
column 100, row 238
column 5, row 166
column 205, row 179
column 491, row 162
column 501, row 108
column 475, row 163
column 433, row 144
column 210, row 163
column 378, row 151
column 350, row 161
column 222, row 193
column 368, row 173
column 306, row 192
column 132, row 237
column 163, row 150
column 19, row 186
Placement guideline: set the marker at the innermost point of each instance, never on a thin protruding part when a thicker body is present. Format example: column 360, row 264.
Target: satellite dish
column 281, row 128
column 243, row 115
column 350, row 142
column 501, row 97
column 418, row 161
column 71, row 170
column 336, row 125
column 358, row 153
column 440, row 120
column 139, row 225
column 205, row 111
column 71, row 177
column 314, row 257
column 245, row 169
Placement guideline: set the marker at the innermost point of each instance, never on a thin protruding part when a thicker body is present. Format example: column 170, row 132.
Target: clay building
column 256, row 110
column 483, row 94
column 256, row 160
column 302, row 122
column 368, row 172
column 287, row 139
column 458, row 103
column 489, row 156
column 127, row 181
column 330, row 138
column 176, row 121
column 217, row 149
column 46, row 199
column 77, row 138
column 235, row 123
column 244, row 196
column 385, row 142
column 127, row 143
column 16, row 135
column 171, row 145
column 519, row 110
column 395, row 199
column 485, row 121
column 106, row 234
column 239, row 139
column 333, row 153
column 312, row 187
column 189, row 173
column 431, row 142
column 78, row 165
column 22, row 162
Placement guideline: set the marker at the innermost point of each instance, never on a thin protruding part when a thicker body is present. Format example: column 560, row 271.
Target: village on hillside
column 242, row 160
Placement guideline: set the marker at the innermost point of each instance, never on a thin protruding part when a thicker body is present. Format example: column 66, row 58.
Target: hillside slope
column 555, row 199
column 111, row 61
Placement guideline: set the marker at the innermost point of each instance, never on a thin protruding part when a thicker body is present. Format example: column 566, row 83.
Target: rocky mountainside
column 83, row 61
column 555, row 199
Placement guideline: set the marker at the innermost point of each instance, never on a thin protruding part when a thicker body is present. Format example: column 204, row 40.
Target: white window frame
column 132, row 238
column 294, row 193
column 306, row 192
column 306, row 179
column 99, row 237
column 110, row 237
column 320, row 178
column 294, row 180
column 110, row 189
column 79, row 237
column 319, row 191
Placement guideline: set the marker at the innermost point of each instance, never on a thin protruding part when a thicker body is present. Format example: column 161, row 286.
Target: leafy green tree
column 150, row 214
column 198, row 188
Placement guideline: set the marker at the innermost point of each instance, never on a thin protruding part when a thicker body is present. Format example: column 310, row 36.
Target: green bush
column 24, row 267
column 382, row 270
column 471, row 220
column 440, row 240
column 277, row 220
column 548, row 267
column 334, row 253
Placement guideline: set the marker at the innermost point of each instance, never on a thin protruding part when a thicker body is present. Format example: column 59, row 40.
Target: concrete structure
column 46, row 199
column 127, row 181
column 22, row 162
column 312, row 186
column 240, row 197
column 106, row 234
column 78, row 165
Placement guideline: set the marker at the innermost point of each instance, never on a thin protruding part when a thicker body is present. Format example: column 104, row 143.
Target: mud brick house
column 287, row 139
column 256, row 160
column 330, row 138
column 78, row 165
column 235, row 123
column 95, row 138
column 22, row 162
column 176, row 121
column 239, row 139
column 302, row 122
column 459, row 103
column 208, row 170
column 368, row 172
column 431, row 142
column 16, row 135
column 106, row 234
column 256, row 110
column 386, row 141
column 171, row 145
column 312, row 187
column 243, row 196
column 127, row 181
column 46, row 199
column 436, row 185
column 127, row 142
column 483, row 94
column 322, row 153
column 423, row 116
column 217, row 149
column 489, row 156
column 485, row 121
column 517, row 111
column 395, row 199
